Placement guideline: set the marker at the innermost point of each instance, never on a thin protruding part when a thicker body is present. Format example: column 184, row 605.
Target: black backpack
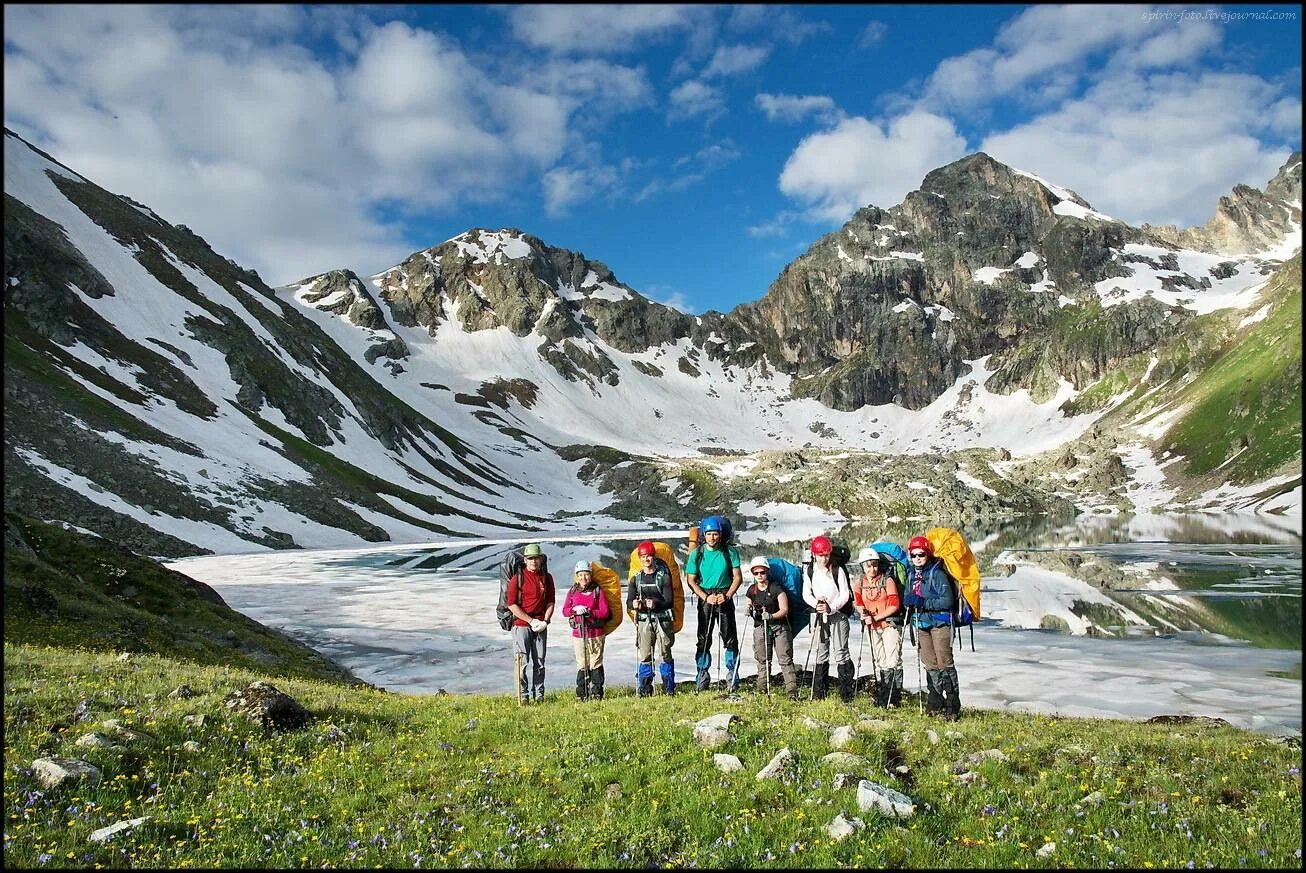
column 840, row 555
column 514, row 564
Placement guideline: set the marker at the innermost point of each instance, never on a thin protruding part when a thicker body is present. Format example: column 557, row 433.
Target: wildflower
column 988, row 809
column 44, row 858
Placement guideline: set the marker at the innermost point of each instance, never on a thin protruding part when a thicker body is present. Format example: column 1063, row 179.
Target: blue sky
column 695, row 150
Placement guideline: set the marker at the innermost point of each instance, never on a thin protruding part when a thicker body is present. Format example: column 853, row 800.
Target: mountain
column 974, row 339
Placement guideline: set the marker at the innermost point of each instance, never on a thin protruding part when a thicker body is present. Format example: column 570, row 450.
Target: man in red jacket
column 531, row 600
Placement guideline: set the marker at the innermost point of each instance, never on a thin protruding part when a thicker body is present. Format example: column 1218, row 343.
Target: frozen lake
column 1204, row 612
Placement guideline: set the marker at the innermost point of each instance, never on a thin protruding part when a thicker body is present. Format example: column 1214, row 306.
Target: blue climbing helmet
column 721, row 525
column 712, row 523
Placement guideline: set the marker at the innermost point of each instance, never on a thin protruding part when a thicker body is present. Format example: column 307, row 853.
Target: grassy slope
column 396, row 780
column 72, row 590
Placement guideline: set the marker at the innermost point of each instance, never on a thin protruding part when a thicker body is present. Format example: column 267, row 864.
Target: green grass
column 452, row 780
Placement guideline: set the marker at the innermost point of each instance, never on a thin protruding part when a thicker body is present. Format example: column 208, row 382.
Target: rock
column 1048, row 849
column 727, row 763
column 95, row 740
column 842, row 828
column 885, row 801
column 811, row 723
column 123, row 733
column 843, row 759
column 190, row 746
column 952, row 735
column 196, row 720
column 1204, row 720
column 843, row 780
column 471, row 724
column 710, row 737
column 1094, row 799
column 83, row 711
column 107, row 833
column 781, row 766
column 612, row 790
column 52, row 772
column 986, row 755
column 842, row 736
column 721, row 721
column 966, row 778
column 932, row 736
column 264, row 703
column 182, row 692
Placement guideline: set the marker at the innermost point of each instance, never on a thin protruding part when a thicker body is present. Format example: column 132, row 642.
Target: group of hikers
column 921, row 598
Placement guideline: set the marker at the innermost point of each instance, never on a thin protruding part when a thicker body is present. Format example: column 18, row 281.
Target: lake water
column 1106, row 617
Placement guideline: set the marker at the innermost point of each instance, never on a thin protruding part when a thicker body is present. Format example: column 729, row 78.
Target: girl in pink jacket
column 587, row 610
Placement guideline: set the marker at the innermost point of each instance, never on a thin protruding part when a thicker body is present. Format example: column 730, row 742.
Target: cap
column 532, row 550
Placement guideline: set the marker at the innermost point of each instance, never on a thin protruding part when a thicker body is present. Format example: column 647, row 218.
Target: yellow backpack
column 663, row 551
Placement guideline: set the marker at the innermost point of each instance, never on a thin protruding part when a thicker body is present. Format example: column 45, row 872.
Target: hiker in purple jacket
column 587, row 610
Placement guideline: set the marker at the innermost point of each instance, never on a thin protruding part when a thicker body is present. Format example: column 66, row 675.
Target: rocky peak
column 1286, row 184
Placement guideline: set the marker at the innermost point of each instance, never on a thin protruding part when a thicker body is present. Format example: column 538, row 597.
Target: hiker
column 650, row 597
column 930, row 597
column 717, row 566
column 587, row 610
column 772, row 639
column 827, row 592
column 530, row 598
column 880, row 606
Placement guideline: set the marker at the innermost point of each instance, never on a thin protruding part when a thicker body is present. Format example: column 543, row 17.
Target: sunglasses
column 919, row 554
column 759, row 572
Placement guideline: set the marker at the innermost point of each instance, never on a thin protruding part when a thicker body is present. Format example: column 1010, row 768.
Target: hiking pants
column 531, row 646
column 836, row 631
column 725, row 623
column 886, row 645
column 649, row 631
column 935, row 646
column 595, row 645
column 782, row 653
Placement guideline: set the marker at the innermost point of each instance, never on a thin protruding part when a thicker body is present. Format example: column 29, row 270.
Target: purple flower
column 44, row 858
column 988, row 809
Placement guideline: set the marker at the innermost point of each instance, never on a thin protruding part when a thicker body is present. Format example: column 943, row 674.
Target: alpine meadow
column 968, row 537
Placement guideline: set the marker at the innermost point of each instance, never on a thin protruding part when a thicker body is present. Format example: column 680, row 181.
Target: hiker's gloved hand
column 538, row 625
column 822, row 606
column 578, row 609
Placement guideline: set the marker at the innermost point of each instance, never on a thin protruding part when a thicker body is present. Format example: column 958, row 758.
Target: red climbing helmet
column 920, row 543
column 822, row 546
column 645, row 548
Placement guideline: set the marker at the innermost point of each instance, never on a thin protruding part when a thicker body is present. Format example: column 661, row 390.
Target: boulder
column 710, row 737
column 96, row 740
column 885, row 801
column 265, row 703
column 727, row 763
column 782, row 766
column 52, row 772
column 721, row 720
column 842, row 828
column 843, row 760
column 107, row 833
column 842, row 736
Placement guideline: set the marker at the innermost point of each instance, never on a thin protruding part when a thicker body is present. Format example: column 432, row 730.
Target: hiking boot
column 894, row 698
column 934, row 703
column 820, row 681
column 846, row 688
column 596, row 683
column 668, row 673
column 951, row 694
column 582, row 691
column 701, row 680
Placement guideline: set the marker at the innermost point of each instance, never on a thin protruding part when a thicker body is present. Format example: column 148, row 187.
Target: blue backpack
column 898, row 555
column 790, row 576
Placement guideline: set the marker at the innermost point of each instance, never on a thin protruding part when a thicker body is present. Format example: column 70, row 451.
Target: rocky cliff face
column 1247, row 220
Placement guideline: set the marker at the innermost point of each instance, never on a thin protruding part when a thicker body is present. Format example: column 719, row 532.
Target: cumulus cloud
column 600, row 28
column 793, row 108
column 729, row 60
column 872, row 34
column 695, row 98
column 1161, row 148
column 226, row 121
column 861, row 162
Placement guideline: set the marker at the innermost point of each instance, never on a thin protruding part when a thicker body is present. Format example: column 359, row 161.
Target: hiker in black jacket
column 650, row 598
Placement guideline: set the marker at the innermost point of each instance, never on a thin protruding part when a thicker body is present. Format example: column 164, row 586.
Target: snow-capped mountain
column 160, row 395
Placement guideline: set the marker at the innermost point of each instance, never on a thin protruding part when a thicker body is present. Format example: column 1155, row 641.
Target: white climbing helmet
column 867, row 554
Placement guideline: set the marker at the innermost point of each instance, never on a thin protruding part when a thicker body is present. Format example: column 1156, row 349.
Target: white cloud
column 224, row 120
column 695, row 98
column 793, row 108
column 564, row 187
column 671, row 297
column 689, row 170
column 872, row 34
column 1160, row 148
column 732, row 59
column 599, row 28
column 860, row 162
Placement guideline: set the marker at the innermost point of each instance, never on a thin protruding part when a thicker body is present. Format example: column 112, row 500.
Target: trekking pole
column 707, row 639
column 585, row 653
column 811, row 641
column 821, row 629
column 516, row 676
column 857, row 668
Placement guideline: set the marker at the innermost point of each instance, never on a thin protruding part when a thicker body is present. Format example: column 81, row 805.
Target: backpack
column 951, row 547
column 514, row 564
column 790, row 577
column 897, row 556
column 839, row 558
column 668, row 557
column 610, row 584
column 697, row 542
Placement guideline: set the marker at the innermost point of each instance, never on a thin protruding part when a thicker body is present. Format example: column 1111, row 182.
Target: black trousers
column 724, row 625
